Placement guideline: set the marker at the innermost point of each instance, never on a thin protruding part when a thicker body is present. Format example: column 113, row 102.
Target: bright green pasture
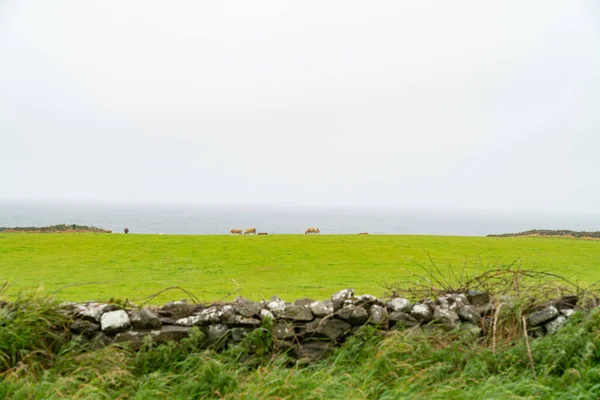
column 291, row 266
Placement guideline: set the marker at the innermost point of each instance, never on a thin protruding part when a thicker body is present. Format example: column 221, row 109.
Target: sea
column 212, row 219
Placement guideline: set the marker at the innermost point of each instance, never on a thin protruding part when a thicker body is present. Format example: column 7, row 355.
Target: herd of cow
column 252, row 231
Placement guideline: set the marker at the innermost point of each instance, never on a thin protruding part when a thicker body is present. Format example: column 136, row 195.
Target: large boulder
column 246, row 308
column 421, row 313
column 295, row 313
column 445, row 316
column 468, row 313
column 115, row 321
column 84, row 327
column 378, row 314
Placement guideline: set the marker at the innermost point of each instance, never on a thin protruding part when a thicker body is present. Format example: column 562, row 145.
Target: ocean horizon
column 211, row 219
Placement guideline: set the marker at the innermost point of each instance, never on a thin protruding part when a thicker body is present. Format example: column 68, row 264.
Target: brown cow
column 126, row 230
column 364, row 233
column 262, row 233
column 236, row 231
column 311, row 231
column 249, row 231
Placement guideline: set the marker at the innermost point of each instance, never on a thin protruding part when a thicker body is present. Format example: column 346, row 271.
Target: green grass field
column 291, row 266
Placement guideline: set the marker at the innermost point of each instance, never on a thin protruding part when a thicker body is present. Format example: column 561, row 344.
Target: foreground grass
column 291, row 266
column 399, row 364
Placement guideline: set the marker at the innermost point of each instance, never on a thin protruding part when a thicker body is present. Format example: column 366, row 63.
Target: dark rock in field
column 399, row 304
column 340, row 297
column 177, row 310
column 284, row 329
column 477, row 298
column 246, row 308
column 321, row 308
column 468, row 313
column 332, row 328
column 555, row 324
column 378, row 314
column 539, row 317
column 84, row 327
column 355, row 315
column 166, row 321
column 115, row 321
column 238, row 334
column 304, row 302
column 421, row 313
column 311, row 351
column 144, row 319
column 295, row 313
column 402, row 319
column 447, row 318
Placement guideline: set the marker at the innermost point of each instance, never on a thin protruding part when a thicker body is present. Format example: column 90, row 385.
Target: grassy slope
column 292, row 266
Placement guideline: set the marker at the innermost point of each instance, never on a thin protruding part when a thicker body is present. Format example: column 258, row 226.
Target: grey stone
column 539, row 317
column 266, row 314
column 133, row 338
column 445, row 317
column 555, row 324
column 453, row 301
column 566, row 302
column 399, row 304
column 283, row 329
column 239, row 320
column 238, row 334
column 84, row 327
column 247, row 308
column 177, row 310
column 170, row 333
column 332, row 328
column 567, row 312
column 276, row 304
column 468, row 313
column 228, row 315
column 295, row 313
column 188, row 321
column 402, row 319
column 421, row 313
column 311, row 351
column 99, row 341
column 477, row 298
column 92, row 311
column 366, row 300
column 379, row 314
column 209, row 315
column 115, row 321
column 340, row 297
column 217, row 331
column 144, row 319
column 356, row 315
column 321, row 309
column 305, row 302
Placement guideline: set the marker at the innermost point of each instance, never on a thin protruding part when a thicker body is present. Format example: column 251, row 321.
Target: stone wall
column 310, row 327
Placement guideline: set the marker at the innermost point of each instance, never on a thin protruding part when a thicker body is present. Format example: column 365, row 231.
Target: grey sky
column 444, row 104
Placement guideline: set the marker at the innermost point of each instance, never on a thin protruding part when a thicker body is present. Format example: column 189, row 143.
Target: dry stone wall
column 313, row 327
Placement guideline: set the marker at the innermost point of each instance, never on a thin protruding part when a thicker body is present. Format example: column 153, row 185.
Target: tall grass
column 40, row 362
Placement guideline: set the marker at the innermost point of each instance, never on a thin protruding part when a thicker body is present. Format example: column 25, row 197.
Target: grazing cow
column 126, row 230
column 236, row 231
column 364, row 233
column 250, row 231
column 262, row 233
column 311, row 231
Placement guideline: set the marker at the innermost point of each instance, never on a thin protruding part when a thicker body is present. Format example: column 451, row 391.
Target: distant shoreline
column 552, row 233
column 62, row 228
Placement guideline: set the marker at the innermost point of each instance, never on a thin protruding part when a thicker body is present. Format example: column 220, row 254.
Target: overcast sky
column 445, row 104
